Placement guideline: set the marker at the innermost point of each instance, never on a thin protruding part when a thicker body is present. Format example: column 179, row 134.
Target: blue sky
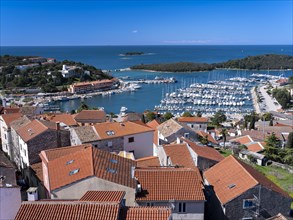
column 236, row 22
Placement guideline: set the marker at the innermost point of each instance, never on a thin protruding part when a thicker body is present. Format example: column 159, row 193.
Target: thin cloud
column 134, row 31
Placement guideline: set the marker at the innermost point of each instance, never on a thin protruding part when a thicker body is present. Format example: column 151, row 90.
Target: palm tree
column 224, row 133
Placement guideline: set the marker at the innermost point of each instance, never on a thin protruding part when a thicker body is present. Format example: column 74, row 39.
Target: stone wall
column 271, row 203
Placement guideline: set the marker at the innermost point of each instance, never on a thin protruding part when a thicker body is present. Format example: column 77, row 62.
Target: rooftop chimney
column 32, row 194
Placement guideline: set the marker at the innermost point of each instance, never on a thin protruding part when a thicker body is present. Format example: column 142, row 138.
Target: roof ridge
column 39, row 121
column 245, row 169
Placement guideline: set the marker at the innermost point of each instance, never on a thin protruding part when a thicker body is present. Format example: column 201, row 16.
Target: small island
column 261, row 62
column 133, row 53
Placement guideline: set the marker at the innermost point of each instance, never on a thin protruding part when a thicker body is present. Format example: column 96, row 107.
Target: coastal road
column 271, row 103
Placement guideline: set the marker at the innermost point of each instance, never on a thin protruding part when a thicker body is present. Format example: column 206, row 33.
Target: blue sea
column 109, row 58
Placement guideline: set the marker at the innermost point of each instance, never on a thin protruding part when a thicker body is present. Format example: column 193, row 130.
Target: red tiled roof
column 193, row 119
column 179, row 155
column 147, row 213
column 119, row 129
column 37, row 168
column 55, row 153
column 86, row 161
column 11, row 110
column 67, row 210
column 232, row 177
column 205, row 152
column 278, row 124
column 113, row 168
column 243, row 139
column 148, row 162
column 62, row 170
column 204, row 134
column 164, row 184
column 67, row 119
column 90, row 115
column 103, row 196
column 8, row 118
column 255, row 147
column 31, row 130
column 153, row 124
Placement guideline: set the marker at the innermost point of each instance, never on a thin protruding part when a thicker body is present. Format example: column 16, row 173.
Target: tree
column 267, row 116
column 272, row 148
column 204, row 140
column 198, row 114
column 168, row 115
column 224, row 133
column 289, row 143
column 83, row 106
column 187, row 114
column 252, row 121
column 218, row 118
column 150, row 116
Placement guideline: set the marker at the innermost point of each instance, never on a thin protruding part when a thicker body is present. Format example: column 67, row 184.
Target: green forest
column 261, row 62
column 45, row 76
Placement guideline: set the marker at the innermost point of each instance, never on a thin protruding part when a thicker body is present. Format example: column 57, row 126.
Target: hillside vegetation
column 261, row 62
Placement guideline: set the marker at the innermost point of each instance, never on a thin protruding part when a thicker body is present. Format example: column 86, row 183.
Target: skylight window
column 113, row 161
column 110, row 133
column 231, row 186
column 111, row 170
column 73, row 172
column 69, row 162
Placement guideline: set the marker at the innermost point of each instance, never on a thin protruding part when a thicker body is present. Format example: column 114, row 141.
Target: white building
column 5, row 128
column 115, row 137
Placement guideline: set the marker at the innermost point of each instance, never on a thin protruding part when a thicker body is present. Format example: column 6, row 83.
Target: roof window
column 231, row 186
column 111, row 170
column 69, row 162
column 73, row 172
column 113, row 161
column 110, row 133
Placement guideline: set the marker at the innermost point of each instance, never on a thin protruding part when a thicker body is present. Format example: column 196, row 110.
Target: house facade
column 196, row 123
column 160, row 187
column 5, row 129
column 71, row 171
column 36, row 136
column 115, row 137
column 241, row 192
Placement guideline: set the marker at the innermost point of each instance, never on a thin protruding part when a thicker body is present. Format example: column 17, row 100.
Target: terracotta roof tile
column 179, row 155
column 69, row 210
column 113, row 168
column 153, row 124
column 31, row 130
column 255, row 147
column 11, row 110
column 278, row 124
column 70, row 164
column 91, row 115
column 110, row 130
column 164, row 184
column 37, row 168
column 55, row 153
column 70, row 168
column 103, row 196
column 148, row 162
column 147, row 213
column 232, row 177
column 9, row 118
column 67, row 119
column 243, row 139
column 205, row 152
column 193, row 119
